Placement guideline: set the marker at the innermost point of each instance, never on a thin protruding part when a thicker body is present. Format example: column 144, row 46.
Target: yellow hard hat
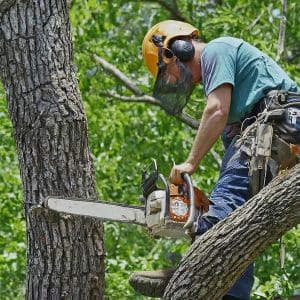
column 168, row 29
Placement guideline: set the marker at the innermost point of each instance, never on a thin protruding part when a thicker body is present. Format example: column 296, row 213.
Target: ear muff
column 183, row 49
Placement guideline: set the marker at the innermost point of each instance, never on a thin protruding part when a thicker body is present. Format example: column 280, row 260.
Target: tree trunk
column 219, row 257
column 65, row 254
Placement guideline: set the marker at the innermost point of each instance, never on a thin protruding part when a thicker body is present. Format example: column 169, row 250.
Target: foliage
column 12, row 228
column 123, row 137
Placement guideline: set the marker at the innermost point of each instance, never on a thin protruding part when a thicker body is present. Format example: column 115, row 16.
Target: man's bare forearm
column 211, row 127
column 213, row 122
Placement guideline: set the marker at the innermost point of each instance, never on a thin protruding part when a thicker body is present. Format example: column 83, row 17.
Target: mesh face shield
column 174, row 85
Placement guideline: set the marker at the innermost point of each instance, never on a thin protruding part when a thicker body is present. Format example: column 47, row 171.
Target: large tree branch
column 219, row 257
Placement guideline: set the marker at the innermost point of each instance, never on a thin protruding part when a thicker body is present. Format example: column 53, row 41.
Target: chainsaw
column 168, row 211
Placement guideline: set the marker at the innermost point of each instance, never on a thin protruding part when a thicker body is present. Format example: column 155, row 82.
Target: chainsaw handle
column 167, row 189
column 189, row 223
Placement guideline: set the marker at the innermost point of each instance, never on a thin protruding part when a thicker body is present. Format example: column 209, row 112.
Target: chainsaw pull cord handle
column 167, row 189
column 189, row 223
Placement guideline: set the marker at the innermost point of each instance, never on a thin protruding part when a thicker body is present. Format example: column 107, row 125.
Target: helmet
column 168, row 29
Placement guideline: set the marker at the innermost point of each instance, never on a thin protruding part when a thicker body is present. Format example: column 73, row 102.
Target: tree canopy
column 124, row 136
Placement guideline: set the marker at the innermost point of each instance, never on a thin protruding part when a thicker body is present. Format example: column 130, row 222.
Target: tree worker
column 240, row 82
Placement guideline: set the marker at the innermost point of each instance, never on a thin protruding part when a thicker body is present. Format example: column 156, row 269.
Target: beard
column 173, row 96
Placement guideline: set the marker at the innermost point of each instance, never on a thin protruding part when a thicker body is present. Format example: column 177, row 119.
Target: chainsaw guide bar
column 102, row 210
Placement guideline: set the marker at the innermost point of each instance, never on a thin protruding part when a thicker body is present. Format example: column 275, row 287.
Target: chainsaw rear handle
column 189, row 223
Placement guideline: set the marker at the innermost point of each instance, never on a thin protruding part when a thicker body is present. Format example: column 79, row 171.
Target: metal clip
column 293, row 114
column 282, row 97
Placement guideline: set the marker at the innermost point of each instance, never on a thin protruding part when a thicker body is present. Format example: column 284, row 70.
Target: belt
column 283, row 96
column 274, row 99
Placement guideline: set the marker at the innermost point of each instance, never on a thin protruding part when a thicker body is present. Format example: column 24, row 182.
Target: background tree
column 114, row 30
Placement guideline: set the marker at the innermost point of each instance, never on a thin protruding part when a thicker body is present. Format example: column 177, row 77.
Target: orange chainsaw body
column 180, row 203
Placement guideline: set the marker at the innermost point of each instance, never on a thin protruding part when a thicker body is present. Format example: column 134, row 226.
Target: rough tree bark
column 65, row 254
column 220, row 256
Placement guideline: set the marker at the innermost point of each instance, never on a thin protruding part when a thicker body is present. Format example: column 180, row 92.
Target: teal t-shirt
column 251, row 73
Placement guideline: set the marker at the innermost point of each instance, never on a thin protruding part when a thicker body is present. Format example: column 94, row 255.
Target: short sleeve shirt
column 251, row 73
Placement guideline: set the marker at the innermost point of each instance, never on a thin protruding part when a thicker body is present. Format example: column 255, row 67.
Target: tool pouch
column 260, row 154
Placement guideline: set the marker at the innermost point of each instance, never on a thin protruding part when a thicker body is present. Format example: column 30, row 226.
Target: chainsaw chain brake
column 149, row 178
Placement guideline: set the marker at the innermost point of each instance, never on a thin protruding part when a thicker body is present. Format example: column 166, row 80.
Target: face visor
column 174, row 82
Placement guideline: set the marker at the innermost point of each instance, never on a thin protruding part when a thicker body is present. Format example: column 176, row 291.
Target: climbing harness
column 272, row 142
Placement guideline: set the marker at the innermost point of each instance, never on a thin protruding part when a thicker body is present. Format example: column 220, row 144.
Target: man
column 240, row 82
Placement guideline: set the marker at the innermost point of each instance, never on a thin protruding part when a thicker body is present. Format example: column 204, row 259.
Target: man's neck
column 199, row 46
